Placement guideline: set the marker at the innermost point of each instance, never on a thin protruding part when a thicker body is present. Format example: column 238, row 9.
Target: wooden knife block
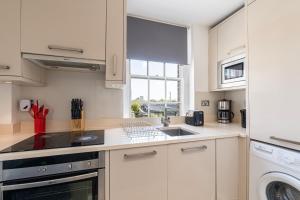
column 78, row 124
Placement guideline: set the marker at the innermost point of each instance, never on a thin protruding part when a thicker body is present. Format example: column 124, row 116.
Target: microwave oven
column 231, row 72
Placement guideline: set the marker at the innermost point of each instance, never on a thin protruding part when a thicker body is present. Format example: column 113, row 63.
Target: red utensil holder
column 39, row 125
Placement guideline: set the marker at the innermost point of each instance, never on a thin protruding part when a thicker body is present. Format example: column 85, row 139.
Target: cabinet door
column 274, row 46
column 213, row 59
column 139, row 174
column 115, row 40
column 10, row 38
column 191, row 171
column 71, row 28
column 232, row 36
column 227, row 163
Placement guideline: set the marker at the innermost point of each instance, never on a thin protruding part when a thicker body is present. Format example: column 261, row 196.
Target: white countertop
column 118, row 139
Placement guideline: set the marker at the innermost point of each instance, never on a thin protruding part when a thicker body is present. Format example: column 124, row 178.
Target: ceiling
column 184, row 12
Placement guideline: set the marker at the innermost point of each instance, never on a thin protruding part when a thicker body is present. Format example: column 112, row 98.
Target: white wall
column 200, row 66
column 238, row 98
column 200, row 57
column 62, row 86
column 6, row 103
column 9, row 103
column 16, row 92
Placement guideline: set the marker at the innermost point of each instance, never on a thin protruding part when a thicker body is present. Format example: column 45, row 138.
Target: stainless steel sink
column 176, row 132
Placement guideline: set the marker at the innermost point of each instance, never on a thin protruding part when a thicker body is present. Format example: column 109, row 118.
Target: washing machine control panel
column 285, row 157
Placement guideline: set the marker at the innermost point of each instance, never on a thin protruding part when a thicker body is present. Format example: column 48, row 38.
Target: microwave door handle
column 48, row 182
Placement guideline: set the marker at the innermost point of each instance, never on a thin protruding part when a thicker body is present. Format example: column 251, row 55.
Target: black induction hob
column 58, row 140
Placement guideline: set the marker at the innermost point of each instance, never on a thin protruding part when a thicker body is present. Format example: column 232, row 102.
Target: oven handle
column 48, row 183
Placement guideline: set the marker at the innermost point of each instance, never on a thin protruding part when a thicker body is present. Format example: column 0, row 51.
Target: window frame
column 164, row 78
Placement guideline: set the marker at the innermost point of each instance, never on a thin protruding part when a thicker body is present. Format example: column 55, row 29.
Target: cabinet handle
column 56, row 47
column 140, row 155
column 284, row 140
column 200, row 148
column 237, row 48
column 4, row 67
column 115, row 63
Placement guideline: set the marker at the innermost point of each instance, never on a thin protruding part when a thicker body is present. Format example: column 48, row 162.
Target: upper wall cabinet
column 116, row 40
column 10, row 38
column 226, row 40
column 70, row 28
column 232, row 36
column 12, row 67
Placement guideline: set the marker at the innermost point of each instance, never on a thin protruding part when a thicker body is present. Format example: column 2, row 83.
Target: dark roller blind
column 154, row 41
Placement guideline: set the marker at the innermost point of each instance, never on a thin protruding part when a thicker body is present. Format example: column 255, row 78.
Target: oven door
column 88, row 186
column 232, row 72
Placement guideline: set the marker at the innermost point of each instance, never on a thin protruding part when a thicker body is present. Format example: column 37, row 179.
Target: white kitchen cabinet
column 12, row 67
column 227, row 168
column 191, row 171
column 232, row 36
column 10, row 38
column 213, row 59
column 116, row 41
column 70, row 28
column 274, row 46
column 138, row 174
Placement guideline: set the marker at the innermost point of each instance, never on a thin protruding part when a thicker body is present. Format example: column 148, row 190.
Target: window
column 154, row 87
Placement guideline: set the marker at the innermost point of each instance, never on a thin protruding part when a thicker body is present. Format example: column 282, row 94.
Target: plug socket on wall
column 204, row 102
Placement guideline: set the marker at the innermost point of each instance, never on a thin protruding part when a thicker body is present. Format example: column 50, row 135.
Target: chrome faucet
column 165, row 120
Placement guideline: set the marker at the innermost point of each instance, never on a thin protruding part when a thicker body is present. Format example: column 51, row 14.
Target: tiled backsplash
column 62, row 86
column 238, row 98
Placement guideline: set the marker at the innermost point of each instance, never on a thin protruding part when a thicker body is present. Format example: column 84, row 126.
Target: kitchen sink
column 176, row 132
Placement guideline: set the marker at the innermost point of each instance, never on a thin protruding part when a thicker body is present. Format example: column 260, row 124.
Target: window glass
column 139, row 89
column 156, row 69
column 139, row 97
column 172, row 91
column 173, row 109
column 171, row 70
column 157, row 109
column 138, row 67
column 157, row 90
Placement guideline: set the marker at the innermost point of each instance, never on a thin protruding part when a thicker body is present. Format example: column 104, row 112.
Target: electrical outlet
column 204, row 102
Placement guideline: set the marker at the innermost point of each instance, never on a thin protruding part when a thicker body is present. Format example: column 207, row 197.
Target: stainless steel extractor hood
column 64, row 63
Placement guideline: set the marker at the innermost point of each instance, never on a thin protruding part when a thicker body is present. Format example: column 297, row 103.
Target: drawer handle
column 200, row 148
column 4, row 67
column 284, row 140
column 115, row 62
column 56, row 47
column 140, row 155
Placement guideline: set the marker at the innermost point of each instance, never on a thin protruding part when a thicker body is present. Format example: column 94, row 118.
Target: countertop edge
column 109, row 146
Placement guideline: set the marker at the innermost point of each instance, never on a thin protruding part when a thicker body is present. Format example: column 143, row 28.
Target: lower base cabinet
column 138, row 174
column 191, row 171
column 202, row 170
column 227, row 169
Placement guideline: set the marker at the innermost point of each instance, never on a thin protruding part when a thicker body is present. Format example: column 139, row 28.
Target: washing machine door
column 279, row 186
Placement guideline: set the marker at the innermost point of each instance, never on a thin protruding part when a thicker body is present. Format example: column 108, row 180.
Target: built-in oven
column 63, row 177
column 231, row 72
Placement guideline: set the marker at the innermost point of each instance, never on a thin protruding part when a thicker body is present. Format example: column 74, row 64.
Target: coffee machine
column 225, row 115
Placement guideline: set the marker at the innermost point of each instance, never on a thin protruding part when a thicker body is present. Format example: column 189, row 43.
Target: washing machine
column 274, row 172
